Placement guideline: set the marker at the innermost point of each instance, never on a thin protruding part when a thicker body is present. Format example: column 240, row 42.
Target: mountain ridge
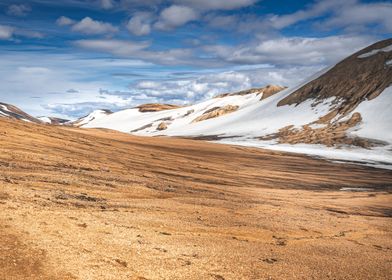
column 345, row 106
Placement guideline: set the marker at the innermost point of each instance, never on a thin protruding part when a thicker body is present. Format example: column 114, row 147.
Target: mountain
column 53, row 120
column 11, row 112
column 159, row 119
column 346, row 106
column 90, row 117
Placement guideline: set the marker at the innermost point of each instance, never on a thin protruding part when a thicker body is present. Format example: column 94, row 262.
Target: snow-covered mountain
column 11, row 112
column 161, row 119
column 341, row 112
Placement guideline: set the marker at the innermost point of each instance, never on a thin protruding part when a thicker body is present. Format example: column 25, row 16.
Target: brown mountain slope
column 97, row 204
column 216, row 112
column 156, row 107
column 13, row 112
column 352, row 80
column 362, row 76
column 266, row 91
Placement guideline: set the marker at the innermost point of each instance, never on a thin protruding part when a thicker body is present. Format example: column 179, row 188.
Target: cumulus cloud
column 80, row 109
column 140, row 24
column 20, row 10
column 138, row 50
column 175, row 16
column 93, row 27
column 63, row 21
column 205, row 86
column 293, row 50
column 8, row 33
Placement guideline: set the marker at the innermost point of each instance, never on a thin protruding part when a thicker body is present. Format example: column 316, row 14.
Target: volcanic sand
column 98, row 204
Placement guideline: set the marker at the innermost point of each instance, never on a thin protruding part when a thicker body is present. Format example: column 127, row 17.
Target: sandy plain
column 98, row 204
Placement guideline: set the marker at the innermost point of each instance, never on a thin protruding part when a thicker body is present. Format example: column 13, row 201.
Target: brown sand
column 98, row 204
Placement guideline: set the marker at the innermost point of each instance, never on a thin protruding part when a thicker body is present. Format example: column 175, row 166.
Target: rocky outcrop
column 162, row 126
column 216, row 112
column 270, row 90
column 266, row 92
column 363, row 75
column 334, row 134
column 156, row 107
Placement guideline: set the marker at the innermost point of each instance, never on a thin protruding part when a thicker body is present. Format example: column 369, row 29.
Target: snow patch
column 95, row 115
column 45, row 119
column 379, row 157
column 376, row 117
column 376, row 51
column 356, row 189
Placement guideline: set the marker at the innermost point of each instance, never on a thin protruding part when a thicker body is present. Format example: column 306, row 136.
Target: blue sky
column 66, row 58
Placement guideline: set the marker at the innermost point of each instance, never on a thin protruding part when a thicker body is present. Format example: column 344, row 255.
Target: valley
column 100, row 204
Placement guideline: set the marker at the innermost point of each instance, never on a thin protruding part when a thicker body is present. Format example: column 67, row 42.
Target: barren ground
column 97, row 204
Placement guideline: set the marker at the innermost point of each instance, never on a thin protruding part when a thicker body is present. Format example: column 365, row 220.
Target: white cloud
column 138, row 50
column 6, row 32
column 350, row 14
column 33, row 81
column 140, row 24
column 313, row 11
column 93, row 27
column 216, row 4
column 358, row 17
column 207, row 85
column 147, row 85
column 116, row 47
column 294, row 51
column 175, row 16
column 63, row 21
column 107, row 4
column 20, row 10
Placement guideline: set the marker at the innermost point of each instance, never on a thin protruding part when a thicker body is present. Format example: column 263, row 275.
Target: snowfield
column 256, row 118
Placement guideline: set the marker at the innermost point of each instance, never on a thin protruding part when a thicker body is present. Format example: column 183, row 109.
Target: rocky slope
column 156, row 107
column 347, row 105
column 11, row 112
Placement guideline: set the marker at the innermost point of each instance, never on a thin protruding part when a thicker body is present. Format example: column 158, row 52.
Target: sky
column 67, row 58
